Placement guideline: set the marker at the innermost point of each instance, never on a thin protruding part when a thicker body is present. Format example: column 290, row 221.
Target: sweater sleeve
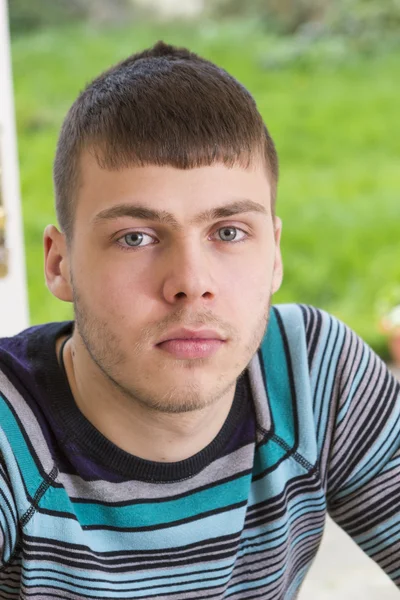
column 8, row 519
column 360, row 451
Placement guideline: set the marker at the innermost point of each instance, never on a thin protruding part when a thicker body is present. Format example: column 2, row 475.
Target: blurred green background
column 326, row 80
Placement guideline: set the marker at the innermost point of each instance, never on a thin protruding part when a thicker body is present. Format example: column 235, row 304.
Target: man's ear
column 278, row 265
column 56, row 264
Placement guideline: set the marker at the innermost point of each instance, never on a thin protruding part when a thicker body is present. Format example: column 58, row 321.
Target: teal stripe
column 26, row 464
column 278, row 383
column 267, row 455
column 156, row 513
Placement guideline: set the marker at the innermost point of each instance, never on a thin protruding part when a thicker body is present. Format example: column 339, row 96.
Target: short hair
column 163, row 106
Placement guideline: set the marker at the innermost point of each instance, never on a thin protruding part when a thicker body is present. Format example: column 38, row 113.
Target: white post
column 13, row 293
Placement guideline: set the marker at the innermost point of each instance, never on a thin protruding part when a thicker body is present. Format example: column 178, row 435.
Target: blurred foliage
column 28, row 15
column 309, row 28
column 368, row 21
column 351, row 17
column 281, row 16
column 337, row 133
column 388, row 299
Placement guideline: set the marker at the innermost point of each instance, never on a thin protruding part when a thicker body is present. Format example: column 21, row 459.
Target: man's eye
column 134, row 239
column 229, row 234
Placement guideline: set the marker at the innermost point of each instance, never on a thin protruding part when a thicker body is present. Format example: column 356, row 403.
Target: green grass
column 337, row 132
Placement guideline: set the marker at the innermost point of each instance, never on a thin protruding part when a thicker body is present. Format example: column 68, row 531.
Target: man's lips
column 187, row 334
column 191, row 347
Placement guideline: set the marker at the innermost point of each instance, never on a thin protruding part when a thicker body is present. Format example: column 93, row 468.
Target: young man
column 182, row 438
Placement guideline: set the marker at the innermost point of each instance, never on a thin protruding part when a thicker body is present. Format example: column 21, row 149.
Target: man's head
column 165, row 180
column 163, row 106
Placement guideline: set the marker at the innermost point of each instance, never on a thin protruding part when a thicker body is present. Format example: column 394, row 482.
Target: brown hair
column 162, row 106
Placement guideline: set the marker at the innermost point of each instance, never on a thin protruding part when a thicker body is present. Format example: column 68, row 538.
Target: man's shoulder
column 29, row 351
column 303, row 330
column 19, row 343
column 302, row 315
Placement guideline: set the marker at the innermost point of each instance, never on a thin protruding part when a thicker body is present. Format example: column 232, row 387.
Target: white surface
column 341, row 571
column 174, row 8
column 13, row 294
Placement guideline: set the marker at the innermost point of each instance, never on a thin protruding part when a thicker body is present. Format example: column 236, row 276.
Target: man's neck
column 133, row 427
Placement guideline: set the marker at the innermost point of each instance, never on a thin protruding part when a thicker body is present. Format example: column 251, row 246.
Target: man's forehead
column 156, row 192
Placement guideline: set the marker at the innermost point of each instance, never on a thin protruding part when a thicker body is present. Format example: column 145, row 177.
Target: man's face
column 136, row 279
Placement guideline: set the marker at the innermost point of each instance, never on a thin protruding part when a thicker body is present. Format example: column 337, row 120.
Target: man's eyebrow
column 137, row 211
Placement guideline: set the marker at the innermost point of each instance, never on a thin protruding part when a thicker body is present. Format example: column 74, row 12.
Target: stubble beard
column 104, row 349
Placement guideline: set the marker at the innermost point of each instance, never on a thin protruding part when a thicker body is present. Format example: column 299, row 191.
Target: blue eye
column 228, row 231
column 135, row 239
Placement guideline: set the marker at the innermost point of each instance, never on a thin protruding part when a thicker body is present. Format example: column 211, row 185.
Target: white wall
column 13, row 293
column 174, row 8
column 341, row 571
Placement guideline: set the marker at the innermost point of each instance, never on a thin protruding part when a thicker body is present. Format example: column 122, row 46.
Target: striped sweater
column 314, row 427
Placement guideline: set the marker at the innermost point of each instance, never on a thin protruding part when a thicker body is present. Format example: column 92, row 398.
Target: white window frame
column 13, row 290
